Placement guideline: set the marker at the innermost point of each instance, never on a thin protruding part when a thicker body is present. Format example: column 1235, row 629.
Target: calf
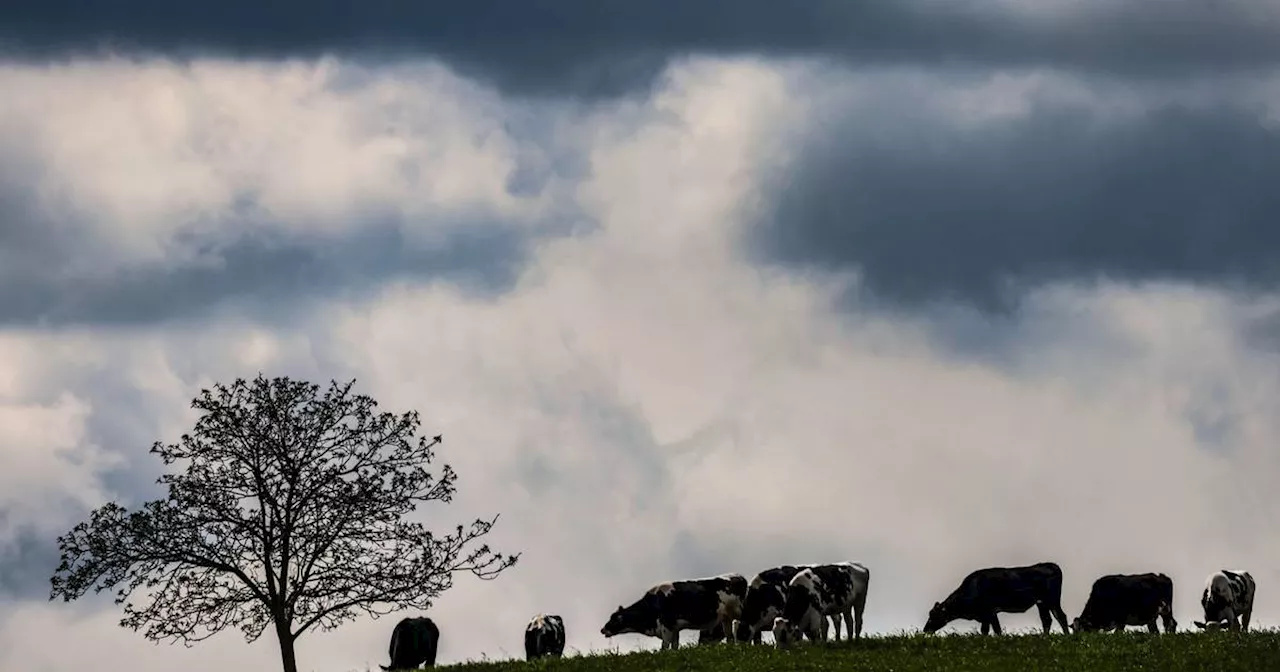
column 413, row 642
column 985, row 592
column 544, row 636
column 1119, row 600
column 1227, row 595
column 708, row 605
column 819, row 591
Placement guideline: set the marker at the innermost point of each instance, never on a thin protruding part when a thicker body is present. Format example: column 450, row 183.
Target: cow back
column 1010, row 589
column 1127, row 599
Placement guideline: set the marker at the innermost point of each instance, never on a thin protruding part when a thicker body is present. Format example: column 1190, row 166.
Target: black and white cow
column 816, row 592
column 544, row 637
column 413, row 642
column 1119, row 600
column 986, row 592
column 707, row 605
column 766, row 594
column 1228, row 595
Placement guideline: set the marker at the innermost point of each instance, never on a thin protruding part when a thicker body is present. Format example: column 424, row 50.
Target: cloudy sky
column 688, row 287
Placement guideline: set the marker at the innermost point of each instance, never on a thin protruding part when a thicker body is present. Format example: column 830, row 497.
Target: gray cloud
column 26, row 563
column 609, row 47
column 933, row 211
column 483, row 258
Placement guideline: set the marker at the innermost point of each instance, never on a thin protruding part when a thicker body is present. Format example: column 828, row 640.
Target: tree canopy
column 290, row 511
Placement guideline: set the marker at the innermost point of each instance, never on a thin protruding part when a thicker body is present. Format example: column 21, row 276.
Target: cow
column 986, row 592
column 708, row 605
column 544, row 637
column 766, row 594
column 835, row 590
column 1228, row 595
column 1119, row 600
column 413, row 642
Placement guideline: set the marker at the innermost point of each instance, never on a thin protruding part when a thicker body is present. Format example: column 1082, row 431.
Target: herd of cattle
column 795, row 601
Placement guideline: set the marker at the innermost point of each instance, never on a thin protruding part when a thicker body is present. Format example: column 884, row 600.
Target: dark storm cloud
column 599, row 46
column 931, row 212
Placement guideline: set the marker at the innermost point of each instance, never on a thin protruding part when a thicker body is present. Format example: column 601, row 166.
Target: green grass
column 1257, row 651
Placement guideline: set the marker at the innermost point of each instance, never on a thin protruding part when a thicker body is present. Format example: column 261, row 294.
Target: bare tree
column 290, row 513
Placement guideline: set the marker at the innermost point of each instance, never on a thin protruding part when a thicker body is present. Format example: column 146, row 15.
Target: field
column 1135, row 650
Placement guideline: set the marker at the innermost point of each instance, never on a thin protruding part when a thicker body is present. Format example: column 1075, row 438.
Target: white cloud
column 160, row 164
column 644, row 404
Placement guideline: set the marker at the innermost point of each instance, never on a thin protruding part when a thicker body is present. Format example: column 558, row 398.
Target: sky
column 688, row 287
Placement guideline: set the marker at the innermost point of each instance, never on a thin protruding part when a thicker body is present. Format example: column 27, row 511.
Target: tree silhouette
column 290, row 513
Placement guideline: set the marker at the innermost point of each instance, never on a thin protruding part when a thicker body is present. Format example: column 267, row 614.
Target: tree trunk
column 286, row 647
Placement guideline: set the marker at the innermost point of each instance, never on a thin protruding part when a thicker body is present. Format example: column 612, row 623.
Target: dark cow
column 1119, row 600
column 544, row 637
column 413, row 642
column 766, row 594
column 1227, row 595
column 986, row 592
column 708, row 605
column 814, row 593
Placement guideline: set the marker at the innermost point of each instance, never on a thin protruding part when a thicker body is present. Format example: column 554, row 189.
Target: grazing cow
column 413, row 642
column 986, row 592
column 708, row 605
column 544, row 636
column 766, row 594
column 834, row 590
column 1228, row 594
column 1119, row 600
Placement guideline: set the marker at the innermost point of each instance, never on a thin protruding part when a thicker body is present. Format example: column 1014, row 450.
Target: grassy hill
column 1257, row 651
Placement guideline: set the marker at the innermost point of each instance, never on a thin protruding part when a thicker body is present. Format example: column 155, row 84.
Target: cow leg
column 848, row 624
column 995, row 625
column 835, row 623
column 1060, row 616
column 986, row 628
column 1166, row 615
column 1244, row 619
column 670, row 636
column 1044, row 616
column 1151, row 627
column 859, row 606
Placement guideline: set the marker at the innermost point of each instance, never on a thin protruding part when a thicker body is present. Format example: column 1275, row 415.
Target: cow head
column 622, row 621
column 1212, row 626
column 784, row 632
column 1082, row 624
column 938, row 618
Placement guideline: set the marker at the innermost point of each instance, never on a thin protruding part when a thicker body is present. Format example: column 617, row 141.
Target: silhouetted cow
column 544, row 636
column 814, row 593
column 1228, row 594
column 1119, row 600
column 413, row 642
column 986, row 592
column 708, row 605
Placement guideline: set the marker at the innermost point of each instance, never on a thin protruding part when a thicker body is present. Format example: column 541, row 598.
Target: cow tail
column 433, row 641
column 530, row 643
